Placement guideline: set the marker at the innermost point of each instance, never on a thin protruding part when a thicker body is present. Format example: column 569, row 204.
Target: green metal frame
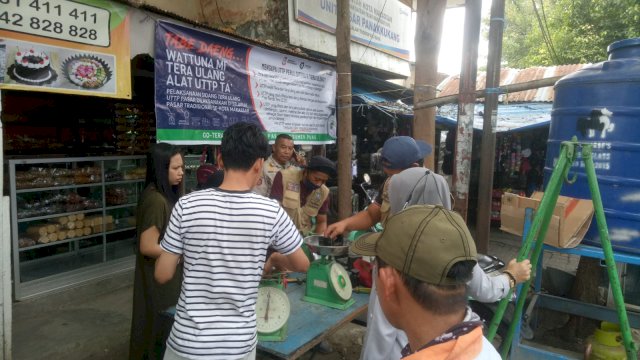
column 538, row 232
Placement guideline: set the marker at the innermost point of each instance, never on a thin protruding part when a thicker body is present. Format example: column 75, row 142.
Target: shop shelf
column 62, row 260
column 61, row 187
column 53, row 216
column 123, row 206
column 59, row 242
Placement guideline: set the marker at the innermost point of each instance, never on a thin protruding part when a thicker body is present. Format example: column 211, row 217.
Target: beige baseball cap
column 422, row 241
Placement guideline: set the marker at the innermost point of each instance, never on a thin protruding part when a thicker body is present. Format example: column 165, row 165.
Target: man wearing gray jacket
column 418, row 185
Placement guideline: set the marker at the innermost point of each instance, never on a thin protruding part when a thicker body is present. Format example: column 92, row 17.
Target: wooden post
column 488, row 149
column 466, row 104
column 343, row 64
column 430, row 15
column 6, row 304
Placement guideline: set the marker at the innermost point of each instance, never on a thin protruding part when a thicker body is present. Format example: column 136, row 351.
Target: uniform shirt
column 277, row 193
column 223, row 238
column 269, row 170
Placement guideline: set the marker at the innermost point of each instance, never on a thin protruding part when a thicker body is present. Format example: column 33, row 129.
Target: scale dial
column 272, row 309
column 340, row 281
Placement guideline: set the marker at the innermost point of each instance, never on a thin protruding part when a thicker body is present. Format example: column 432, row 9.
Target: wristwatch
column 512, row 279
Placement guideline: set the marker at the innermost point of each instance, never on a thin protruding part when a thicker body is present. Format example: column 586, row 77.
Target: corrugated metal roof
column 450, row 85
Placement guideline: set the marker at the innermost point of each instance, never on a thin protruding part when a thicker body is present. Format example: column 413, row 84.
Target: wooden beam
column 343, row 66
column 488, row 146
column 429, row 21
column 505, row 89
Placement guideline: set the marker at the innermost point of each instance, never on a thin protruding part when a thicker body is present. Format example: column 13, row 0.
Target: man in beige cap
column 424, row 257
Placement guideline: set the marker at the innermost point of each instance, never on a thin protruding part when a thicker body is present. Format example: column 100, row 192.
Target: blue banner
column 205, row 82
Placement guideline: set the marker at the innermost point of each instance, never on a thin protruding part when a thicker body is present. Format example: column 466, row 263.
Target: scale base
column 339, row 306
column 280, row 335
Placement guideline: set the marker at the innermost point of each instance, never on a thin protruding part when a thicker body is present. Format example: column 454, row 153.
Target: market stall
column 80, row 112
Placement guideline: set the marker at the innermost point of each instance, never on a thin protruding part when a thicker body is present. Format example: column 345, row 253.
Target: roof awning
column 511, row 117
column 397, row 102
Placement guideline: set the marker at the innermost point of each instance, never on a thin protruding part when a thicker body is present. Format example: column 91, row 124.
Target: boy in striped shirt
column 222, row 235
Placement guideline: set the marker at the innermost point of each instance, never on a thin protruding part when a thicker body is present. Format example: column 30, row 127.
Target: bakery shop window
column 42, row 123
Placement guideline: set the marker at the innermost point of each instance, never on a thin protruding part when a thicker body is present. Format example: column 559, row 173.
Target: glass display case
column 72, row 219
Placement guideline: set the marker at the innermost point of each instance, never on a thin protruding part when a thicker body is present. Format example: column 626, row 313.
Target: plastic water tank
column 600, row 104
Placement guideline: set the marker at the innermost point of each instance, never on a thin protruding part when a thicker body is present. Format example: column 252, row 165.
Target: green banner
column 188, row 136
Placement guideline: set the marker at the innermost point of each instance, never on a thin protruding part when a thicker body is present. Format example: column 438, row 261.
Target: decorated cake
column 32, row 67
column 87, row 71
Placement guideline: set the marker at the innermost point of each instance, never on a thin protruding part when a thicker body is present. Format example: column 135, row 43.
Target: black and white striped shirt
column 223, row 238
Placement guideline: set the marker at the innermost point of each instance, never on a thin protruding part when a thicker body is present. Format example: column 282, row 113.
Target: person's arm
column 298, row 159
column 521, row 271
column 153, row 217
column 360, row 221
column 485, row 288
column 298, row 261
column 149, row 242
column 166, row 266
column 287, row 244
column 321, row 223
column 171, row 247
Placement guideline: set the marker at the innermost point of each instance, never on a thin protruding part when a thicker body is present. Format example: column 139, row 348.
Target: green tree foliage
column 558, row 32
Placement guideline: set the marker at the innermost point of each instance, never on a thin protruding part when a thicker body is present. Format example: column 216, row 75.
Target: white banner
column 291, row 94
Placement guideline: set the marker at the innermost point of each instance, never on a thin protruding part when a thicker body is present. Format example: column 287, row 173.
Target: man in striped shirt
column 222, row 235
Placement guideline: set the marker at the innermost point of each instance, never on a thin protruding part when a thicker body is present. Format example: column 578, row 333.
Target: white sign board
column 57, row 19
column 381, row 24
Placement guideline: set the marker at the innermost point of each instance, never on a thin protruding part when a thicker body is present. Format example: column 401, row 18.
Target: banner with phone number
column 74, row 47
column 205, row 82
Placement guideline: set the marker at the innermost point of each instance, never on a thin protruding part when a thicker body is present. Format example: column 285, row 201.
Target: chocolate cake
column 32, row 67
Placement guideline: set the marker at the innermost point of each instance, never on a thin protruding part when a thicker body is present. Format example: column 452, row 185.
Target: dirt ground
column 346, row 343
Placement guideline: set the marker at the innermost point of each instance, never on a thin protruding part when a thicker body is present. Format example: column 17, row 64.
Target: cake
column 87, row 71
column 32, row 66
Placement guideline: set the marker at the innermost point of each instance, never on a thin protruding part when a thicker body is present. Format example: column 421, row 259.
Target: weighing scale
column 272, row 310
column 328, row 282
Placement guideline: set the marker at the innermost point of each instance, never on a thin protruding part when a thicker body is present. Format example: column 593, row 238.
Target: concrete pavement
column 92, row 321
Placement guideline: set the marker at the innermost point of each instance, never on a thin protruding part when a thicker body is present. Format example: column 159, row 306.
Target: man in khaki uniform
column 282, row 157
column 398, row 153
column 304, row 195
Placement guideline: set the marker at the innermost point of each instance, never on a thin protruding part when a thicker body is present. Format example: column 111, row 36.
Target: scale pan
column 323, row 245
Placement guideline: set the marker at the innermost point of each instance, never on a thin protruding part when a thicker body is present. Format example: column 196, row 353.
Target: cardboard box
column 569, row 223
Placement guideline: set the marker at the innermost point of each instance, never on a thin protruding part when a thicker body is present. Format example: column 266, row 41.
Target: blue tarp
column 511, row 117
column 397, row 101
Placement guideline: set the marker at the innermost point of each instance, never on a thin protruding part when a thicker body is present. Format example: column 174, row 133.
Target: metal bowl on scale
column 324, row 246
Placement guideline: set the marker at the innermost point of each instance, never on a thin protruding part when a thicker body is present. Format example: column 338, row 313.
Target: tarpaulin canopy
column 511, row 117
column 397, row 101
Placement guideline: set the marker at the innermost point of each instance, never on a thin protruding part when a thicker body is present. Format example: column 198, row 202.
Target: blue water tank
column 600, row 104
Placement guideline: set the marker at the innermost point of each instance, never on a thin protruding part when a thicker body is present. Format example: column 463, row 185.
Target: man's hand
column 520, row 270
column 299, row 159
column 336, row 229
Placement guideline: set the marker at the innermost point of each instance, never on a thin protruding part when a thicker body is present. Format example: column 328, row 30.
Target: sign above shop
column 74, row 47
column 380, row 24
column 57, row 19
column 206, row 82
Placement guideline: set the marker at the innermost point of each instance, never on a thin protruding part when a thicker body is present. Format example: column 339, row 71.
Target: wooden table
column 310, row 323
